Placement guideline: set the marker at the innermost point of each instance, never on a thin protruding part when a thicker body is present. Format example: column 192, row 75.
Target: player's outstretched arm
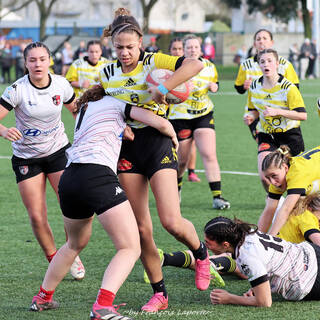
column 157, row 122
column 267, row 214
column 283, row 213
column 261, row 297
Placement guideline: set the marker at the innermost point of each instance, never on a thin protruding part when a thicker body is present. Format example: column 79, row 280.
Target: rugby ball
column 174, row 96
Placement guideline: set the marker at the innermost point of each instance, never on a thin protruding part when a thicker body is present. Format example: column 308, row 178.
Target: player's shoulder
column 248, row 63
column 256, row 83
column 285, row 83
column 206, row 62
column 283, row 61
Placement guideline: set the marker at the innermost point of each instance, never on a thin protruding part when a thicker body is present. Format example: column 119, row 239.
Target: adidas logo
column 165, row 160
column 268, row 97
column 130, row 83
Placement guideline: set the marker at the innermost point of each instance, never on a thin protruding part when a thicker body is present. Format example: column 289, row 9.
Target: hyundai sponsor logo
column 31, row 132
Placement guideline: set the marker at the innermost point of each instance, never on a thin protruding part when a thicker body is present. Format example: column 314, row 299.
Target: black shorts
column 149, row 152
column 28, row 168
column 292, row 138
column 184, row 128
column 314, row 294
column 85, row 189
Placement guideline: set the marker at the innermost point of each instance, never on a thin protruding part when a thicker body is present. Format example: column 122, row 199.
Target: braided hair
column 277, row 158
column 234, row 231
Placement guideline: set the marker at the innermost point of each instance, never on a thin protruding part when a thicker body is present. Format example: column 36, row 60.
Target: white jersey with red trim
column 291, row 268
column 98, row 133
column 38, row 115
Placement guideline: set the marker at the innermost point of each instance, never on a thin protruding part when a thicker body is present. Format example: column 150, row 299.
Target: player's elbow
column 264, row 304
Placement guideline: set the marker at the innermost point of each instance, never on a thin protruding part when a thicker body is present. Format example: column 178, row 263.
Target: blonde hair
column 277, row 158
column 310, row 202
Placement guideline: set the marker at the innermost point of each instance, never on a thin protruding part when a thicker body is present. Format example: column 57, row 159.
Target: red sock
column 45, row 295
column 49, row 258
column 105, row 297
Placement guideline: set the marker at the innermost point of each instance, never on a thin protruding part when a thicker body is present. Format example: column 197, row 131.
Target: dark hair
column 93, row 94
column 177, row 39
column 33, row 45
column 93, row 42
column 234, row 231
column 277, row 158
column 265, row 30
column 274, row 52
column 123, row 22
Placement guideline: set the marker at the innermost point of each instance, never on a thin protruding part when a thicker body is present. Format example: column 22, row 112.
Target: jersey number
column 270, row 242
column 307, row 155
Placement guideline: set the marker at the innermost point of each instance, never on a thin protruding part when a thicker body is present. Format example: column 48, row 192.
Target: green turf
column 22, row 264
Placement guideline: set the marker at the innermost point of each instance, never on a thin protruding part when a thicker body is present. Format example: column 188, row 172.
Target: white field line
column 235, row 172
column 229, row 172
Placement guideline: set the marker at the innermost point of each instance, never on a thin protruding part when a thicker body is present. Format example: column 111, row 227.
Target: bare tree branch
column 24, row 4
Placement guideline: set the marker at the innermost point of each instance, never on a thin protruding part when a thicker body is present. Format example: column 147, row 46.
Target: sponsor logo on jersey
column 24, row 170
column 124, row 165
column 268, row 97
column 118, row 190
column 115, row 93
column 130, row 83
column 184, row 134
column 263, row 146
column 56, row 100
column 31, row 132
column 165, row 160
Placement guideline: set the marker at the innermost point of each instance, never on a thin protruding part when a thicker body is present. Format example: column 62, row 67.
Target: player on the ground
column 298, row 176
column 84, row 72
column 151, row 157
column 193, row 119
column 250, row 70
column 271, row 264
column 176, row 49
column 38, row 140
column 89, row 185
column 279, row 107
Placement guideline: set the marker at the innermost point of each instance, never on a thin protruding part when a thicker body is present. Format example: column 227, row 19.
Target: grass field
column 22, row 264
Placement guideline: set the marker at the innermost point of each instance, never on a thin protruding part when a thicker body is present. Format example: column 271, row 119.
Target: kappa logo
column 268, row 97
column 165, row 160
column 118, row 190
column 130, row 83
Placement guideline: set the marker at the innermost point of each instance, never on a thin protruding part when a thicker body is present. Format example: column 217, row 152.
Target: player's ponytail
column 221, row 229
column 94, row 94
column 277, row 158
column 123, row 22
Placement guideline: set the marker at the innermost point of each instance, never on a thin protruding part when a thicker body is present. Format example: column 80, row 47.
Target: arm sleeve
column 295, row 101
column 291, row 74
column 68, row 93
column 9, row 98
column 164, row 61
column 241, row 77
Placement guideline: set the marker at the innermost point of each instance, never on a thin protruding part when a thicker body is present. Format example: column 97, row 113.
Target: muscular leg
column 33, row 194
column 136, row 188
column 183, row 155
column 167, row 201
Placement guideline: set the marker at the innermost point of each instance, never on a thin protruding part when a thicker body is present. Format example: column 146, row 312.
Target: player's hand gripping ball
column 174, row 96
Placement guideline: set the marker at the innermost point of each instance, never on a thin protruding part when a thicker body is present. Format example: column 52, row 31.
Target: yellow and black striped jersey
column 303, row 176
column 132, row 87
column 199, row 103
column 284, row 95
column 251, row 69
column 298, row 228
column 81, row 70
